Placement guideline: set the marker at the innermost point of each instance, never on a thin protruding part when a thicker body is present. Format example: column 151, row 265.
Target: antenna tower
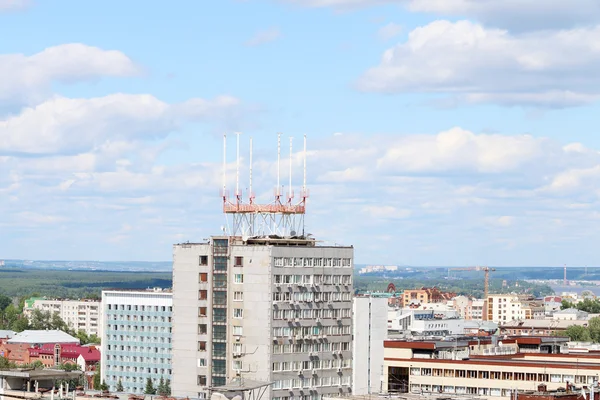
column 251, row 219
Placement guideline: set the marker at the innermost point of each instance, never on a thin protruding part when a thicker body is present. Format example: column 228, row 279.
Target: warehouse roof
column 41, row 337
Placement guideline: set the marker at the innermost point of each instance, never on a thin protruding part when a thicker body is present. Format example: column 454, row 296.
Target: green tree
column 96, row 381
column 149, row 387
column 6, row 364
column 20, row 324
column 103, row 386
column 4, row 302
column 167, row 387
column 161, row 387
column 565, row 304
column 120, row 386
column 594, row 329
column 578, row 333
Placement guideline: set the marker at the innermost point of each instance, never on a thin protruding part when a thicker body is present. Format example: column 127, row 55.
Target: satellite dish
column 500, row 343
column 245, row 238
column 293, row 233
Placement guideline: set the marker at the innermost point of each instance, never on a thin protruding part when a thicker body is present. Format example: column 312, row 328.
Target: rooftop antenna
column 304, row 180
column 291, row 191
column 250, row 195
column 224, row 166
column 278, row 192
column 237, row 171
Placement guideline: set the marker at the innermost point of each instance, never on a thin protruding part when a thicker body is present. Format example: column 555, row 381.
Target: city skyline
column 439, row 133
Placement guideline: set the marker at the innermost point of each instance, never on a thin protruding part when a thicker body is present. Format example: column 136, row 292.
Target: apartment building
column 136, row 340
column 268, row 309
column 484, row 367
column 370, row 330
column 425, row 295
column 505, row 307
column 79, row 315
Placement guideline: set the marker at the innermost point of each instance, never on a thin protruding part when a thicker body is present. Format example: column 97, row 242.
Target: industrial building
column 136, row 340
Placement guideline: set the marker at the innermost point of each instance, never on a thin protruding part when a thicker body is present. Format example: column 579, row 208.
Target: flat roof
column 43, row 336
column 40, row 374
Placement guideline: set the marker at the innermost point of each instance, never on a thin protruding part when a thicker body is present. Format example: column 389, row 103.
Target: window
column 237, row 364
column 219, row 315
column 201, row 346
column 238, row 296
column 238, row 330
column 238, row 278
column 203, row 260
column 202, row 294
column 202, row 329
column 238, row 313
column 219, row 333
column 201, row 380
column 239, row 262
column 203, row 277
column 202, row 311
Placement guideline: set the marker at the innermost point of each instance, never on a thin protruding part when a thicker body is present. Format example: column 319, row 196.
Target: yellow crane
column 486, row 282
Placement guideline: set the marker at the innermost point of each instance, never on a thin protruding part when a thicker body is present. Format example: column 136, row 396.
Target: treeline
column 591, row 306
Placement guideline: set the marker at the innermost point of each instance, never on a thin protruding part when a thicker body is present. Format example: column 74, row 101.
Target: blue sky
column 440, row 132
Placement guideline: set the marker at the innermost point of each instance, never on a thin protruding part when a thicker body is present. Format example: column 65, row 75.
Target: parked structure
column 136, row 341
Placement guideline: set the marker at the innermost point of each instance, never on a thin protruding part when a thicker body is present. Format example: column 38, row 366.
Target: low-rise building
column 426, row 295
column 570, row 314
column 484, row 367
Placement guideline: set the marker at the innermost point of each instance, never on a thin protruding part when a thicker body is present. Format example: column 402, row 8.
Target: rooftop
column 41, row 337
column 6, row 334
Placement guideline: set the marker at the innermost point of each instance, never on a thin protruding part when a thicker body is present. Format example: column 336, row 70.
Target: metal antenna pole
column 291, row 193
column 237, row 172
column 250, row 194
column 277, row 193
column 304, row 180
column 224, row 164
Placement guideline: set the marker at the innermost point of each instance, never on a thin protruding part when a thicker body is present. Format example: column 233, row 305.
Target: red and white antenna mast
column 277, row 218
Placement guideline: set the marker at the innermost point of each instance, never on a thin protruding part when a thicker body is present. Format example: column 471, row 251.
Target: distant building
column 502, row 308
column 552, row 304
column 426, row 295
column 570, row 314
column 79, row 315
column 378, row 268
column 6, row 334
column 370, row 330
column 136, row 340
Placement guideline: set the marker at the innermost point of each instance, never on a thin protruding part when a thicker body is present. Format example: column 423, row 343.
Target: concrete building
column 268, row 309
column 484, row 367
column 79, row 315
column 370, row 330
column 136, row 340
column 502, row 308
column 426, row 295
column 570, row 314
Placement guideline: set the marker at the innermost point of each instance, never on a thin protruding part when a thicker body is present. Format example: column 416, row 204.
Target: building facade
column 370, row 330
column 265, row 309
column 79, row 315
column 136, row 341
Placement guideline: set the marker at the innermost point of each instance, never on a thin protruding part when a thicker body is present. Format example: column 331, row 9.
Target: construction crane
column 486, row 282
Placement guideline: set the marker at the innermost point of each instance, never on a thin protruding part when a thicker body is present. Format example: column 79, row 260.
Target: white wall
column 370, row 330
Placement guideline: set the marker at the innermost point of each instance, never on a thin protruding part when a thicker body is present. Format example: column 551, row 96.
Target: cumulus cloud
column 521, row 15
column 491, row 65
column 263, row 37
column 389, row 31
column 71, row 126
column 27, row 79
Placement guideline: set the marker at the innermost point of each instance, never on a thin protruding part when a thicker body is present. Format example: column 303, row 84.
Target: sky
column 439, row 132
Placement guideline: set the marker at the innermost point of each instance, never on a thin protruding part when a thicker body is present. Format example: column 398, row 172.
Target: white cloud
column 9, row 5
column 263, row 37
column 389, row 31
column 72, row 126
column 520, row 15
column 28, row 79
column 491, row 65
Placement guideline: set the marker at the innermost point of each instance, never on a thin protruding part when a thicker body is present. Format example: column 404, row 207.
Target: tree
column 161, row 387
column 167, row 387
column 6, row 364
column 96, row 380
column 565, row 304
column 594, row 329
column 578, row 333
column 120, row 386
column 149, row 387
column 103, row 386
column 4, row 302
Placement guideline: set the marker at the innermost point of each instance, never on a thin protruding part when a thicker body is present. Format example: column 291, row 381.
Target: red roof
column 89, row 353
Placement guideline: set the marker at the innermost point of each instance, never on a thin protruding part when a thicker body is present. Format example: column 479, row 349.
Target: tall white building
column 79, row 315
column 370, row 330
column 263, row 309
column 136, row 341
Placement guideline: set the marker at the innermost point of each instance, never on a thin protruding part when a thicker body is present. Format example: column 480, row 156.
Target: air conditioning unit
column 312, row 354
column 290, row 320
column 300, row 372
column 314, row 371
column 237, row 353
column 297, row 320
column 298, row 337
column 318, row 320
column 334, row 353
column 237, row 371
column 339, row 370
column 308, row 337
column 324, row 336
